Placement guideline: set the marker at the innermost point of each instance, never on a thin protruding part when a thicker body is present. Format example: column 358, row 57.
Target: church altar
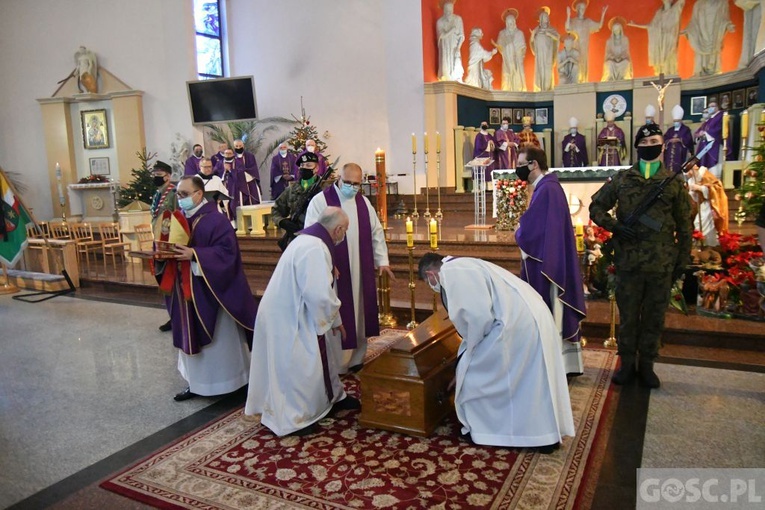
column 93, row 202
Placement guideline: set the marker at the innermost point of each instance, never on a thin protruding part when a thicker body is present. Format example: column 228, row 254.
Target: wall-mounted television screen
column 222, row 100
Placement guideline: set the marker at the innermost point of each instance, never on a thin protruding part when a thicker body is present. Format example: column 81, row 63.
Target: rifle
column 639, row 213
column 302, row 207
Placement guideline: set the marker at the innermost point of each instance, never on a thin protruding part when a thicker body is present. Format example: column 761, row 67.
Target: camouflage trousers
column 642, row 298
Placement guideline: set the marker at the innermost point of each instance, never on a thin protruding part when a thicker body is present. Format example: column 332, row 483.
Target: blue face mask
column 711, row 109
column 677, row 125
column 348, row 190
column 283, row 154
column 186, row 203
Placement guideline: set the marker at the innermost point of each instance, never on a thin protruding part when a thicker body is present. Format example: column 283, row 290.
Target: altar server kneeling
column 294, row 379
column 510, row 385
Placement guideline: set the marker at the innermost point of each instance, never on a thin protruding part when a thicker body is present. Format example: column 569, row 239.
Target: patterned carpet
column 234, row 463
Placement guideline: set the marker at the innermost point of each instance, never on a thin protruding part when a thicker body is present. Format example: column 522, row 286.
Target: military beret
column 646, row 131
column 161, row 166
column 308, row 157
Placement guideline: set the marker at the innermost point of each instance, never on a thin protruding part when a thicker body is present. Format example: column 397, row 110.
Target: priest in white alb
column 293, row 377
column 356, row 259
column 510, row 386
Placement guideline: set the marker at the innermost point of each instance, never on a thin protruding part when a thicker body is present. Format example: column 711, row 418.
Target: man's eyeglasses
column 182, row 194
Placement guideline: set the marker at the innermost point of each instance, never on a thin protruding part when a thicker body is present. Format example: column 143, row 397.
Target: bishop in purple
column 574, row 147
column 678, row 142
column 611, row 155
column 550, row 262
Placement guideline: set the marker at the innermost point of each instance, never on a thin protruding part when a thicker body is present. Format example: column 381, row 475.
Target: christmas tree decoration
column 752, row 190
column 142, row 186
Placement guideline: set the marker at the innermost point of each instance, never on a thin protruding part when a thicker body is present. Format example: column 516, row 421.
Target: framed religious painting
column 95, row 130
column 494, row 118
column 540, row 116
column 739, row 98
column 698, row 104
column 751, row 96
column 517, row 115
column 99, row 166
column 507, row 113
column 725, row 101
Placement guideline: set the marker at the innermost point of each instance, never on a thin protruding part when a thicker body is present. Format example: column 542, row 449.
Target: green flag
column 13, row 224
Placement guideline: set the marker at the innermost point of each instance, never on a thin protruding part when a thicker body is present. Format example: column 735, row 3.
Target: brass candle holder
column 415, row 214
column 384, row 315
column 439, row 214
column 426, row 214
column 610, row 342
column 413, row 323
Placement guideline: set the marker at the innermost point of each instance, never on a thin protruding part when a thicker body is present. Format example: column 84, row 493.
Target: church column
column 129, row 136
column 59, row 139
column 441, row 116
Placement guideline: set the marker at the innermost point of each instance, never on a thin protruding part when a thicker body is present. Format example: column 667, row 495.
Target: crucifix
column 661, row 87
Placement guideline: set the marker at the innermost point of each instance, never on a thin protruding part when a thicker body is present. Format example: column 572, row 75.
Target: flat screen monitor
column 222, row 100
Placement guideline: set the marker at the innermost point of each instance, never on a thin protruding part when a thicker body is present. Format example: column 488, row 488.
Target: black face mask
column 306, row 173
column 198, row 154
column 240, row 150
column 484, row 127
column 159, row 180
column 228, row 160
column 649, row 152
column 523, row 172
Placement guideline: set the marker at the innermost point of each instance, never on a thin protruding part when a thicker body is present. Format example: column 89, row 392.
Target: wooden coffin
column 406, row 389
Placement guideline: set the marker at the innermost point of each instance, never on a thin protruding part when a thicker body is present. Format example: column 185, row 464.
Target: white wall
column 148, row 44
column 357, row 64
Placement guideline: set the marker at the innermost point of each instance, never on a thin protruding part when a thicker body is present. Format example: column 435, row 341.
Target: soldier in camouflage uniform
column 296, row 197
column 647, row 259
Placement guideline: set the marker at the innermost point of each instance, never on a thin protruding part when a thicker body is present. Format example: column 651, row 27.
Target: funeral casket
column 406, row 388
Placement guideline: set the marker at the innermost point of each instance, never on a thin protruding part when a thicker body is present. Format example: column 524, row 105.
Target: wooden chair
column 59, row 230
column 37, row 239
column 85, row 242
column 145, row 236
column 112, row 243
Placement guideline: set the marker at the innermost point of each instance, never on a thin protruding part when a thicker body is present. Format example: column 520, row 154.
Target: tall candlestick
column 745, row 124
column 415, row 214
column 425, row 141
column 433, row 234
column 414, row 144
column 579, row 234
column 725, row 130
column 409, row 233
column 426, row 214
column 438, row 142
column 382, row 187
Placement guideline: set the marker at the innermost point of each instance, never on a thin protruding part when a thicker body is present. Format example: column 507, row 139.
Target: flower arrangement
column 90, row 179
column 511, row 197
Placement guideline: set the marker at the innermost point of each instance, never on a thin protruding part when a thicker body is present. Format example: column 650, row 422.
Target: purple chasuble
column 318, row 230
column 611, row 155
column 367, row 266
column 713, row 126
column 279, row 168
column 192, row 166
column 222, row 283
column 547, row 236
column 250, row 189
column 506, row 159
column 480, row 150
column 678, row 145
column 215, row 159
column 572, row 157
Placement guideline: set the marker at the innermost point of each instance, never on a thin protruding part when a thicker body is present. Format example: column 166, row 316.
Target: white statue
column 179, row 153
column 451, row 35
column 663, row 33
column 617, row 64
column 582, row 27
column 477, row 76
column 86, row 70
column 569, row 59
column 512, row 46
column 710, row 21
column 544, row 45
column 752, row 18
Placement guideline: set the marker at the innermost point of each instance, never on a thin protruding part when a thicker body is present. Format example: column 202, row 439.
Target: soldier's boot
column 647, row 376
column 626, row 372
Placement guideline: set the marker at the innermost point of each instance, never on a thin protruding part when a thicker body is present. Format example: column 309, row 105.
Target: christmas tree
column 752, row 190
column 142, row 186
column 306, row 131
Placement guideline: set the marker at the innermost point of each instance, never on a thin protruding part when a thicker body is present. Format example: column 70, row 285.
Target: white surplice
column 287, row 375
column 353, row 357
column 511, row 385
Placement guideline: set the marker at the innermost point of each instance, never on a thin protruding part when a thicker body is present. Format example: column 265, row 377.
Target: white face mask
column 505, row 127
column 310, row 148
column 572, row 131
column 435, row 286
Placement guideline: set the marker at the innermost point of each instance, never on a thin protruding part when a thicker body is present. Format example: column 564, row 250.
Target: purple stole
column 318, row 230
column 368, row 284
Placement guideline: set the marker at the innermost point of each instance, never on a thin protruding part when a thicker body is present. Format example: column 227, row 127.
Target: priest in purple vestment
column 550, row 262
column 282, row 170
column 484, row 148
column 211, row 305
column 507, row 146
column 310, row 146
column 712, row 134
column 218, row 156
column 611, row 154
column 192, row 164
column 678, row 141
column 574, row 146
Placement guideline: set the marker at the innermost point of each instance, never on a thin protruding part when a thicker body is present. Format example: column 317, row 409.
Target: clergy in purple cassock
column 310, row 146
column 218, row 156
column 712, row 134
column 363, row 250
column 192, row 164
column 550, row 262
column 483, row 147
column 248, row 173
column 507, row 146
column 283, row 165
column 294, row 378
column 574, row 146
column 611, row 155
column 211, row 325
column 678, row 141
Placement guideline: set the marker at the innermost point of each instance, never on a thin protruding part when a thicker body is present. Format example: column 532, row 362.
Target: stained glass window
column 209, row 39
